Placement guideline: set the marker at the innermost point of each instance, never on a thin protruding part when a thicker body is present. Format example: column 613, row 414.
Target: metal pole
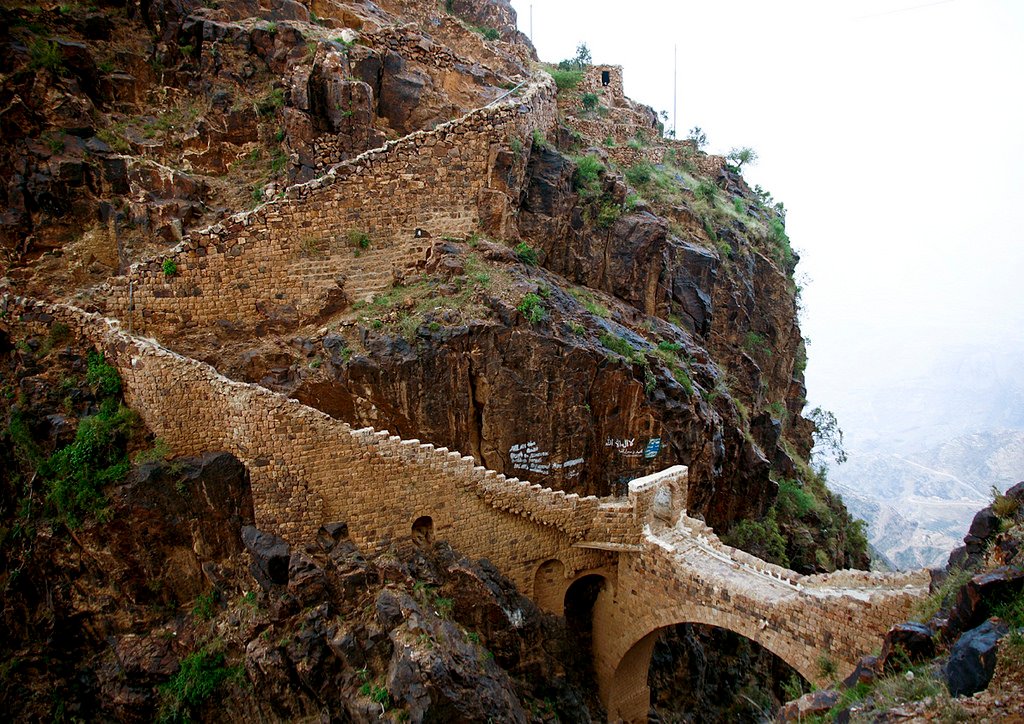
column 675, row 83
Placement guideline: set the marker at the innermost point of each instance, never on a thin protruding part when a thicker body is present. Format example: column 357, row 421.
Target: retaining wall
column 255, row 267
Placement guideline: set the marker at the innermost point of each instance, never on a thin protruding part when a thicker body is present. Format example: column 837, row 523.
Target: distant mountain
column 918, row 506
column 926, row 450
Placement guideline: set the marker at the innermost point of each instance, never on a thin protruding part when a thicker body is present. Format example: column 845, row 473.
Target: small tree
column 828, row 436
column 581, row 60
column 699, row 138
column 740, row 156
column 583, row 57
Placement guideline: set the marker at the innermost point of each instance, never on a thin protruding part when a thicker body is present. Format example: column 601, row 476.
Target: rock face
column 104, row 618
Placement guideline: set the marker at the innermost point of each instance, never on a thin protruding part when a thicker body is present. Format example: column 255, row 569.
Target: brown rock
column 814, row 704
column 906, row 644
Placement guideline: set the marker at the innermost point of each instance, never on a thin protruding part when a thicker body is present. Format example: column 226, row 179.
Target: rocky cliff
column 134, row 586
column 625, row 302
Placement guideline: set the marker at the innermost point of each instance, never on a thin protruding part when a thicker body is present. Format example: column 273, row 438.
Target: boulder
column 975, row 599
column 906, row 644
column 271, row 556
column 972, row 659
column 984, row 525
column 447, row 678
column 815, row 703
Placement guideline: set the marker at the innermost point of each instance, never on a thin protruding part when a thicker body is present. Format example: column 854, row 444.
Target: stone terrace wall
column 415, row 46
column 308, row 469
column 257, row 262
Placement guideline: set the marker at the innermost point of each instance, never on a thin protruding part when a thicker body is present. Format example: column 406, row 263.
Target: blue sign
column 653, row 448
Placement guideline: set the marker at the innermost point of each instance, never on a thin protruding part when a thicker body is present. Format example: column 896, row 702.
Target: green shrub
column 490, row 34
column 621, row 346
column 566, row 79
column 526, row 253
column 45, row 55
column 761, row 538
column 640, row 174
column 590, row 304
column 609, row 142
column 532, row 308
column 271, row 101
column 102, row 377
column 278, row 160
column 668, row 352
column 793, row 500
column 826, row 667
column 588, row 171
column 756, row 345
column 358, row 239
column 158, row 452
column 738, row 206
column 77, row 473
column 170, row 267
column 608, row 213
column 59, row 334
column 1003, row 506
column 777, row 233
column 590, row 101
column 706, row 192
column 778, row 410
column 206, row 605
column 539, row 139
column 200, row 675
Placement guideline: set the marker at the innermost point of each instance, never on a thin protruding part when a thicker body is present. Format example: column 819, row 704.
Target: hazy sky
column 893, row 131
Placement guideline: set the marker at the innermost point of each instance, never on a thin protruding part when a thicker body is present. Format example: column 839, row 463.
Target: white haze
column 893, row 131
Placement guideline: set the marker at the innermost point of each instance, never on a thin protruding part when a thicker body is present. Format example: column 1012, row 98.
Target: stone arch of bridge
column 624, row 681
column 551, row 584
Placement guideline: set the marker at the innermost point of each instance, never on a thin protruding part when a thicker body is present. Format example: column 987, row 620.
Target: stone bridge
column 656, row 566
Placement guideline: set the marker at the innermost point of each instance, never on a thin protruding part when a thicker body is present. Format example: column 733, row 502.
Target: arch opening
column 423, row 530
column 716, row 675
column 697, row 671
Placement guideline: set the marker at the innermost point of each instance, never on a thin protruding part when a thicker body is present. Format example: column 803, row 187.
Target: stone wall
column 288, row 258
column 661, row 567
column 413, row 45
column 308, row 469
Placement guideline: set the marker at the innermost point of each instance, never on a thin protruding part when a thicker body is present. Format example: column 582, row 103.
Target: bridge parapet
column 850, row 579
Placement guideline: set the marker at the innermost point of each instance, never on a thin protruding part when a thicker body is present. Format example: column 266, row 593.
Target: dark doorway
column 580, row 598
column 606, row 77
column 423, row 530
